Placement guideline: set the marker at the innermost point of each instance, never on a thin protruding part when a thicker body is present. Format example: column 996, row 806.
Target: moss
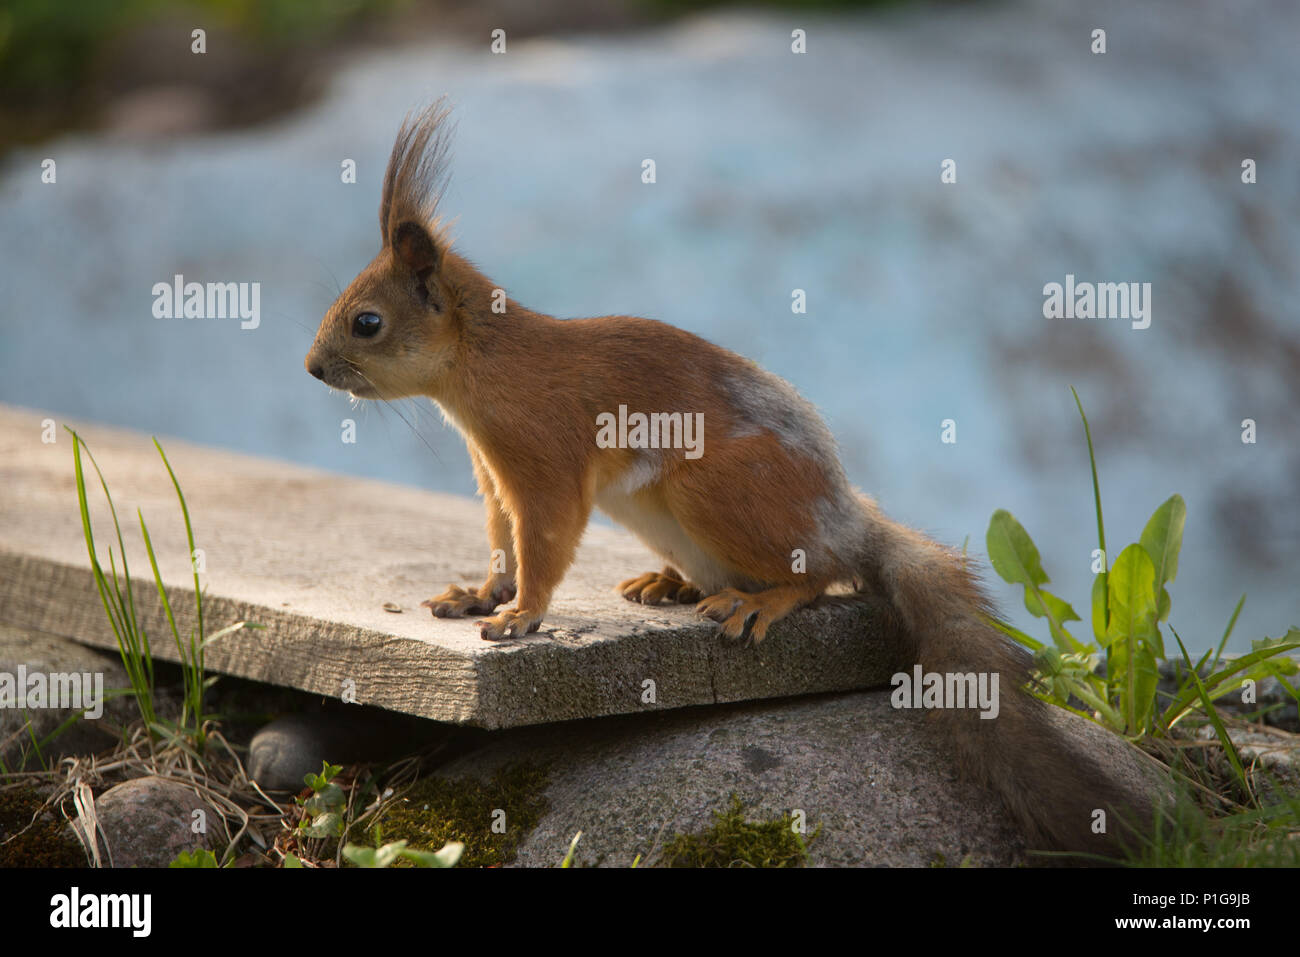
column 45, row 844
column 940, row 860
column 438, row 810
column 736, row 842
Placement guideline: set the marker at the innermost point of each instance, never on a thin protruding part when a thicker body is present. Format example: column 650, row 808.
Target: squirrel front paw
column 510, row 623
column 456, row 602
column 655, row 587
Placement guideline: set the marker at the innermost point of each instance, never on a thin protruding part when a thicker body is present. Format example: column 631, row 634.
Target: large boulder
column 880, row 786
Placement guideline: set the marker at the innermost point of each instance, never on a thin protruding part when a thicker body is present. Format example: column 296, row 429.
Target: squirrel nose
column 317, row 370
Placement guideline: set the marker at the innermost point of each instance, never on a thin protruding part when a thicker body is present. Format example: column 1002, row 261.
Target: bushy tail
column 1054, row 770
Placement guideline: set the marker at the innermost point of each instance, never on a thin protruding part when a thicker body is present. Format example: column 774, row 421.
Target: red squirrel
column 756, row 519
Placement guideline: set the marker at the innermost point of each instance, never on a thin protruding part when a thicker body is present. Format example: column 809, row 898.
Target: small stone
column 148, row 822
column 393, row 607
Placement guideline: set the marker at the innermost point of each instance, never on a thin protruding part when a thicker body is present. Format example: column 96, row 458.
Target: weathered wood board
column 314, row 557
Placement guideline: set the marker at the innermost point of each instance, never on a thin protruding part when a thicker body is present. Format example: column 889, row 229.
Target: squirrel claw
column 506, row 625
column 742, row 617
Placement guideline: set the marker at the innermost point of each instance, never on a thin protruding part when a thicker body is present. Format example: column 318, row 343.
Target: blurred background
column 775, row 171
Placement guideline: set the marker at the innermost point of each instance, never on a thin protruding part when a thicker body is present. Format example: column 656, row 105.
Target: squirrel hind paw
column 746, row 616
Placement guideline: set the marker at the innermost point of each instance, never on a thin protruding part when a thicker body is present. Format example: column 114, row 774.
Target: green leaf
column 291, row 862
column 447, row 857
column 328, row 798
column 199, row 858
column 1132, row 636
column 328, row 773
column 1015, row 558
column 389, row 854
column 1100, row 606
column 1043, row 604
column 1131, row 596
column 329, row 824
column 1012, row 552
column 384, row 856
column 1162, row 539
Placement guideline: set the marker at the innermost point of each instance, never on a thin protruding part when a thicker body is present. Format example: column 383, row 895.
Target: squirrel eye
column 366, row 325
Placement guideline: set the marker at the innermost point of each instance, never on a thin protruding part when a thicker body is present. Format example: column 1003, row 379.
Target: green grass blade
column 1011, row 631
column 189, row 534
column 1101, row 525
column 31, row 733
column 166, row 603
column 1227, row 632
column 1229, row 748
column 1096, row 485
column 140, row 672
column 129, row 602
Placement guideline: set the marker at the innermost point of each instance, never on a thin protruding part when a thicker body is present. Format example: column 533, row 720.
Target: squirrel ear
column 415, row 249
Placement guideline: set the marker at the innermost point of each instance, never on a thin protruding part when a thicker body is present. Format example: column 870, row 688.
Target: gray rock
column 43, row 653
column 882, row 789
column 288, row 748
column 148, row 821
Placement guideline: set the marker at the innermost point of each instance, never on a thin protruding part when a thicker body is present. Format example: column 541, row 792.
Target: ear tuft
column 417, row 169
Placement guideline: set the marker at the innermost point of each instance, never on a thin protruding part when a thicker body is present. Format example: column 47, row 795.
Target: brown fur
column 525, row 390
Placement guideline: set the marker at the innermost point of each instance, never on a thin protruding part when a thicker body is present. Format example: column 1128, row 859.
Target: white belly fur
column 644, row 516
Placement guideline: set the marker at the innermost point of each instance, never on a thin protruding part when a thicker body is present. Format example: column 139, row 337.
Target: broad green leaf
column 1162, row 538
column 362, row 856
column 1015, row 558
column 1131, row 597
column 1043, row 604
column 1012, row 551
column 325, row 825
column 1132, row 636
column 328, row 798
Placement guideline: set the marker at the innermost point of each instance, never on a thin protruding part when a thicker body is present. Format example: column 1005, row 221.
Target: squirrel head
column 394, row 331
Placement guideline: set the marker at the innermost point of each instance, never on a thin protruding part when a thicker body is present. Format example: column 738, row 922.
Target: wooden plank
column 314, row 557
